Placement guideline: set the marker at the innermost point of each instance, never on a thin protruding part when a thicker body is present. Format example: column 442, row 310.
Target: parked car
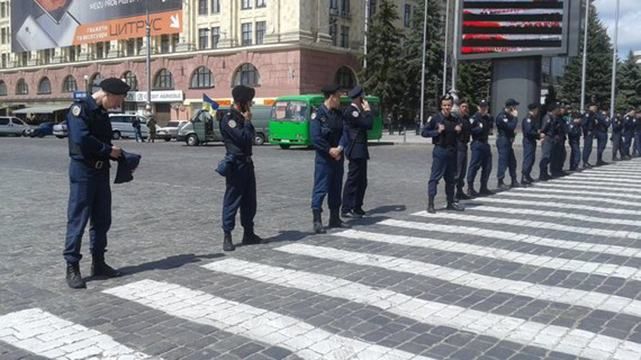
column 122, row 125
column 44, row 129
column 170, row 131
column 12, row 126
column 60, row 130
column 203, row 128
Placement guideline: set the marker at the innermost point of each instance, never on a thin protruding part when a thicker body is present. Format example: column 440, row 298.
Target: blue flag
column 209, row 103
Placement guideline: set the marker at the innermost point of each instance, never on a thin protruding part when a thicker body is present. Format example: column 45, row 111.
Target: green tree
column 599, row 65
column 628, row 84
column 474, row 80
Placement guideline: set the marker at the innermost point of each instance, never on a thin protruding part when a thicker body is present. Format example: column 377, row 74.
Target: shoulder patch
column 232, row 123
column 76, row 110
column 481, row 125
column 505, row 119
column 529, row 120
column 313, row 116
column 355, row 113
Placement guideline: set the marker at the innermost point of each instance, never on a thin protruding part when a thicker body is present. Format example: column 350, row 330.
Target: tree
column 628, row 84
column 474, row 80
column 599, row 65
column 383, row 75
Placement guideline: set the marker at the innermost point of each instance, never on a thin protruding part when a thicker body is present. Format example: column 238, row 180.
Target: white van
column 122, row 126
column 12, row 126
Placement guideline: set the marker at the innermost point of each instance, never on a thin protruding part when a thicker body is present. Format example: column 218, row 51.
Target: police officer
column 559, row 153
column 240, row 185
column 588, row 123
column 574, row 138
column 358, row 119
column 628, row 135
column 90, row 150
column 618, row 150
column 462, row 147
column 506, row 122
column 326, row 133
column 531, row 134
column 444, row 128
column 480, row 128
column 601, row 134
column 551, row 130
column 637, row 134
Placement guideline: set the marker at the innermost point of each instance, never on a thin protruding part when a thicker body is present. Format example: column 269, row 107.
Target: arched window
column 69, row 84
column 163, row 80
column 3, row 88
column 345, row 78
column 131, row 80
column 94, row 82
column 247, row 75
column 44, row 86
column 202, row 78
column 22, row 88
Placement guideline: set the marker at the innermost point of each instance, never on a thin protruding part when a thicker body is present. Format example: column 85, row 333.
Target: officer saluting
column 481, row 126
column 326, row 129
column 358, row 119
column 444, row 129
column 240, row 185
column 90, row 150
column 506, row 122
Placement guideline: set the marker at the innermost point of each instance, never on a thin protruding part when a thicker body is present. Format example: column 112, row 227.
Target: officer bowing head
column 111, row 94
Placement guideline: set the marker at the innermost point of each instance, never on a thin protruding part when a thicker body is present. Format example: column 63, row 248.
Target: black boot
column 525, row 182
column 471, row 193
column 228, row 245
column 515, row 184
column 501, row 185
column 430, row 206
column 530, row 179
column 461, row 195
column 335, row 220
column 485, row 191
column 359, row 211
column 74, row 279
column 250, row 238
column 318, row 222
column 455, row 206
column 100, row 269
column 544, row 177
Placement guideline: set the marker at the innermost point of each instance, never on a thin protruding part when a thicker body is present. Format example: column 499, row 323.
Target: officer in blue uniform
column 559, row 153
column 462, row 149
column 574, row 138
column 444, row 128
column 90, row 150
column 637, row 134
column 531, row 134
column 588, row 123
column 326, row 129
column 551, row 129
column 358, row 118
column 240, row 184
column 481, row 126
column 601, row 134
column 618, row 150
column 506, row 123
column 629, row 123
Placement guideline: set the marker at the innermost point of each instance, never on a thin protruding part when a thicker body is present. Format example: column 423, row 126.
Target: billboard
column 47, row 24
column 512, row 28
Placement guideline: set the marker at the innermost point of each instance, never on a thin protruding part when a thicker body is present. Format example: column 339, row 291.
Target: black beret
column 330, row 89
column 511, row 102
column 242, row 93
column 533, row 106
column 484, row 103
column 357, row 91
column 115, row 86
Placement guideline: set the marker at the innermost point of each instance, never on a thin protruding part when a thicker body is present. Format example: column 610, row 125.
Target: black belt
column 97, row 164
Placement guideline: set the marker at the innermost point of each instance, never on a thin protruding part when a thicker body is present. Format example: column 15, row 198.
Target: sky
column 629, row 23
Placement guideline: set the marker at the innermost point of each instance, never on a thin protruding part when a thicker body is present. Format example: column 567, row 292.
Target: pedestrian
column 506, row 123
column 574, row 138
column 328, row 138
column 358, row 119
column 531, row 134
column 462, row 148
column 444, row 128
column 588, row 123
column 551, row 130
column 618, row 150
column 90, row 150
column 151, row 124
column 481, row 126
column 601, row 134
column 137, row 129
column 238, row 135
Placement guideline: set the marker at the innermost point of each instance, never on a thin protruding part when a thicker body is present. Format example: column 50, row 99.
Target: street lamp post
column 423, row 62
column 148, row 59
column 86, row 77
column 614, row 63
column 584, row 65
column 445, row 53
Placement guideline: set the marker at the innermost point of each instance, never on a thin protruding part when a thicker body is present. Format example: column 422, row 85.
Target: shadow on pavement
column 386, row 209
column 169, row 263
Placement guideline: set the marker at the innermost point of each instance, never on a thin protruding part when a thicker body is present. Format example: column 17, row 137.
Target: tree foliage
column 474, row 81
column 628, row 84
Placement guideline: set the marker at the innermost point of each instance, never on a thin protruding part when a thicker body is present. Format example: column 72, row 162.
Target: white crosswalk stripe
column 47, row 335
column 574, row 198
column 602, row 193
column 552, row 337
column 615, row 179
column 604, row 185
column 559, row 205
column 622, row 172
column 584, row 186
column 305, row 340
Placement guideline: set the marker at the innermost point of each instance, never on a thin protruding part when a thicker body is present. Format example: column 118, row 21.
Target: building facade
column 278, row 46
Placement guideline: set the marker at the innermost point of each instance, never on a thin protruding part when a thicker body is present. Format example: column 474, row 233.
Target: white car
column 122, row 126
column 12, row 126
column 60, row 130
column 170, row 131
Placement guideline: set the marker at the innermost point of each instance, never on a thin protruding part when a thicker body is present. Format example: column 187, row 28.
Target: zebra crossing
column 551, row 271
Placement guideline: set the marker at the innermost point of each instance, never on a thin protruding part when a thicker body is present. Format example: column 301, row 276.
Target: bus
column 290, row 117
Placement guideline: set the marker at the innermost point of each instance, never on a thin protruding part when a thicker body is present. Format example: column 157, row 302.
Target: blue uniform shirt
column 530, row 129
column 481, row 126
column 326, row 130
column 238, row 134
column 629, row 123
column 506, row 124
column 89, row 131
column 617, row 124
column 449, row 136
column 356, row 124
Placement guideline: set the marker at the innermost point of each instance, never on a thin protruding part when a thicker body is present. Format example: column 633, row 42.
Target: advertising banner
column 46, row 24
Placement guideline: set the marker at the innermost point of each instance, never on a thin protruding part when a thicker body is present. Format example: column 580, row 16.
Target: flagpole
column 585, row 53
column 614, row 62
column 423, row 65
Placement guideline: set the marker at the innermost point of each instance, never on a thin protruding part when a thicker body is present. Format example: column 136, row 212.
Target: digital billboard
column 46, row 24
column 511, row 28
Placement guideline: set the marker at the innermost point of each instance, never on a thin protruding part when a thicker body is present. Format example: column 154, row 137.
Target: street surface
column 552, row 271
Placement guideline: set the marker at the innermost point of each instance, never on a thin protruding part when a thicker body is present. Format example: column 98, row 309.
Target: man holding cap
column 240, row 184
column 506, row 122
column 90, row 150
column 358, row 119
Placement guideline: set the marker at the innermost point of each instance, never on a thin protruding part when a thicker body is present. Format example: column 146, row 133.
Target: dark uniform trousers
column 575, row 152
column 89, row 199
column 602, row 141
column 637, row 144
column 627, row 142
column 328, row 180
column 461, row 165
column 356, row 184
column 557, row 156
column 617, row 145
column 587, row 146
column 529, row 156
column 444, row 165
column 507, row 159
column 547, row 147
column 240, row 192
column 481, row 159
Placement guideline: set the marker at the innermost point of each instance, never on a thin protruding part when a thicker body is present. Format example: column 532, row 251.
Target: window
column 260, row 31
column 203, row 38
column 345, row 7
column 215, row 6
column 69, row 84
column 247, row 34
column 215, row 37
column 164, row 44
column 290, row 110
column 22, row 88
column 3, row 88
column 4, row 60
column 407, row 15
column 72, row 53
column 24, row 58
column 247, row 75
column 164, row 80
column 333, row 4
column 245, row 4
column 131, row 47
column 3, row 37
column 202, row 78
column 46, row 56
column 345, row 78
column 345, row 37
column 202, row 7
column 372, row 8
column 261, row 3
column 3, row 9
column 44, row 87
column 131, row 80
column 94, row 83
column 100, row 50
column 333, row 33
column 4, row 121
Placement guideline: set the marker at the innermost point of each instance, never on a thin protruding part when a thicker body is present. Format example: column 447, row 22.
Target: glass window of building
column 164, row 44
column 100, row 50
column 21, row 87
column 4, row 60
column 345, row 36
column 333, row 4
column 260, row 31
column 245, row 4
column 164, row 80
column 131, row 80
column 3, row 9
column 345, row 7
column 4, row 35
column 69, row 84
column 247, row 34
column 202, row 7
column 202, row 78
column 261, row 3
column 203, row 38
column 247, row 75
column 44, row 86
column 215, row 37
column 333, row 33
column 3, row 88
column 215, row 6
column 72, row 53
column 345, row 78
column 407, row 16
